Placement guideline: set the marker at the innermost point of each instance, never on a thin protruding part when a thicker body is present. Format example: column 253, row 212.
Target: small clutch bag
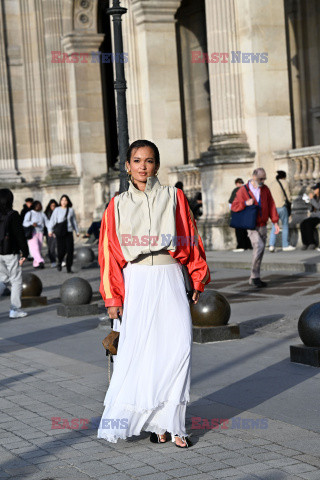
column 110, row 343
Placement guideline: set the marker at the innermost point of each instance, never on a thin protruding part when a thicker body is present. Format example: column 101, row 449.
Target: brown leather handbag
column 110, row 342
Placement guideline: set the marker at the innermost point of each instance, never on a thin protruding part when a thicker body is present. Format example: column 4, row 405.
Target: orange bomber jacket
column 136, row 223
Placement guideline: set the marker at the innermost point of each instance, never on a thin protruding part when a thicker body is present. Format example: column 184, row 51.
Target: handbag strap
column 248, row 191
column 259, row 203
column 283, row 190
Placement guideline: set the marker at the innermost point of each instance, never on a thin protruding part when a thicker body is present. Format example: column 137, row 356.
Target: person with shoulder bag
column 282, row 197
column 12, row 242
column 62, row 223
column 255, row 198
column 141, row 259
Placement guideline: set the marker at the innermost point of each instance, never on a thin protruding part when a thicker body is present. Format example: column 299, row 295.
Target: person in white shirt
column 65, row 243
column 36, row 218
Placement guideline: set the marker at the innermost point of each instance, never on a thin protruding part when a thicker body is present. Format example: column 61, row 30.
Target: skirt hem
column 133, row 408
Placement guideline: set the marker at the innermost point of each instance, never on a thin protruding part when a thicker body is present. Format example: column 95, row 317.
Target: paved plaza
column 264, row 408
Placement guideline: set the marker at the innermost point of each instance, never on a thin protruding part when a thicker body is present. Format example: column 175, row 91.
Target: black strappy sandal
column 184, row 439
column 156, row 437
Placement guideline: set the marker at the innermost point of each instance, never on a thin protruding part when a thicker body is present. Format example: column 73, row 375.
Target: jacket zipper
column 149, row 225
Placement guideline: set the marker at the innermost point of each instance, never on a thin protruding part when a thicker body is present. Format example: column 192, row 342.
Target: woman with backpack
column 12, row 242
column 34, row 223
column 62, row 223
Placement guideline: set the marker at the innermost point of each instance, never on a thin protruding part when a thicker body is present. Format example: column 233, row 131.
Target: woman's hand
column 21, row 261
column 50, row 234
column 35, row 224
column 78, row 234
column 195, row 296
column 113, row 312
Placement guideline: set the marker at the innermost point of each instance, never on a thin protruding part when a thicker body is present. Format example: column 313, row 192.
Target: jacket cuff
column 113, row 302
column 198, row 286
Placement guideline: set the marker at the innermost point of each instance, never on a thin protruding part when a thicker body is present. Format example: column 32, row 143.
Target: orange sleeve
column 190, row 250
column 111, row 261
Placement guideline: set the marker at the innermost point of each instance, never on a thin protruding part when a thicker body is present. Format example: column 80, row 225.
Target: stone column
column 8, row 170
column 132, row 74
column 86, row 114
column 228, row 137
column 158, row 80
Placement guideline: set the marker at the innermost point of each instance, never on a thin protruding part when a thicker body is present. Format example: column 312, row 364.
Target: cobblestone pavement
column 55, row 367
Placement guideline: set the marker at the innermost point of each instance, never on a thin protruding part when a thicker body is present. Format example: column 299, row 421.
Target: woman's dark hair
column 68, row 200
column 281, row 175
column 144, row 143
column 48, row 210
column 35, row 204
column 6, row 200
column 179, row 185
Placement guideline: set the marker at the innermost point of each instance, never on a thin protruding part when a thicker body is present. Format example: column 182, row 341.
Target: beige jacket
column 277, row 193
column 153, row 222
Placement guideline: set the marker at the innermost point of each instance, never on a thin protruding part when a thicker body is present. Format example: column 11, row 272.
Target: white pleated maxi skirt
column 150, row 383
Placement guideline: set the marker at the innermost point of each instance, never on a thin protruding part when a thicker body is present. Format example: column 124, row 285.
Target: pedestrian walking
column 26, row 207
column 141, row 261
column 255, row 192
column 243, row 241
column 308, row 226
column 36, row 218
column 62, row 224
column 51, row 241
column 12, row 243
column 281, row 194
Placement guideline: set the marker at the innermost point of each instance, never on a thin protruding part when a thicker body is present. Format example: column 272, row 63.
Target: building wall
column 234, row 116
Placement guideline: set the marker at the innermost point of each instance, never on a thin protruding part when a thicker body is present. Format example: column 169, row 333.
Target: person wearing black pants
column 51, row 241
column 65, row 244
column 243, row 241
column 309, row 234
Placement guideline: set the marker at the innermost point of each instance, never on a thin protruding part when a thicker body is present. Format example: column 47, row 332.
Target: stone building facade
column 221, row 86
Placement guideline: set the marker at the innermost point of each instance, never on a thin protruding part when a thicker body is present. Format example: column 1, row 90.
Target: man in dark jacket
column 243, row 241
column 26, row 207
column 12, row 242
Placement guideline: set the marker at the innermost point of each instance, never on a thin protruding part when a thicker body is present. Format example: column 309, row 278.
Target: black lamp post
column 120, row 86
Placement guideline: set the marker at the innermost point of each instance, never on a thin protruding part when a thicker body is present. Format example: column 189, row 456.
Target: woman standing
column 51, row 241
column 36, row 218
column 65, row 243
column 146, row 234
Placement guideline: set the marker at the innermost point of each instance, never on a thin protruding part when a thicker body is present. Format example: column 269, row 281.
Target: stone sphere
column 85, row 255
column 212, row 310
column 31, row 285
column 76, row 291
column 309, row 325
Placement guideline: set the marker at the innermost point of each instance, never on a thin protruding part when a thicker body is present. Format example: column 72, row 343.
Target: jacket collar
column 151, row 186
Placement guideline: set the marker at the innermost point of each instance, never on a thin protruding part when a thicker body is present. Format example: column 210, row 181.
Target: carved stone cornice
column 84, row 42
column 153, row 11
